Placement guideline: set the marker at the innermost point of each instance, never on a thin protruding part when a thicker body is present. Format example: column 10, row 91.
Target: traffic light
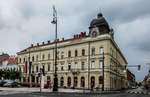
column 43, row 70
column 139, row 67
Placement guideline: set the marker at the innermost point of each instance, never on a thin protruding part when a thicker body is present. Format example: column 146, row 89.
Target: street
column 73, row 95
column 34, row 92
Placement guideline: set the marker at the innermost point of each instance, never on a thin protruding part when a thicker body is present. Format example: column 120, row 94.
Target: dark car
column 2, row 82
column 11, row 84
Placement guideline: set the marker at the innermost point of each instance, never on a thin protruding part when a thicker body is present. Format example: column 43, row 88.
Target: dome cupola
column 100, row 23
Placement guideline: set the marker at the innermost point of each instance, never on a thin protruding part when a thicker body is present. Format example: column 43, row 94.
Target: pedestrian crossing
column 139, row 92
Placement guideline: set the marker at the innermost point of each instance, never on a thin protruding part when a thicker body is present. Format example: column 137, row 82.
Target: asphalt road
column 73, row 95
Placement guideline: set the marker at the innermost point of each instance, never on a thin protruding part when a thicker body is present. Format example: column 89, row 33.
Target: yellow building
column 80, row 60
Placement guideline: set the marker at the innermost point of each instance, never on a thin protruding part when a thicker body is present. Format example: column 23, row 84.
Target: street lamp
column 55, row 86
column 103, row 71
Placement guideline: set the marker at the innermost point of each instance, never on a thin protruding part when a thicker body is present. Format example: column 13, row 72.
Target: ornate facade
column 79, row 60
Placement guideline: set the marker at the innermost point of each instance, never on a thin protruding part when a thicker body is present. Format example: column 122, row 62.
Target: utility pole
column 103, row 57
column 55, row 86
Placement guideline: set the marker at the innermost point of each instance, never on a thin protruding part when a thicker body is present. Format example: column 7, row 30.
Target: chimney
column 42, row 43
column 57, row 40
column 80, row 35
column 63, row 39
column 77, row 36
column 48, row 41
column 31, row 45
column 84, row 34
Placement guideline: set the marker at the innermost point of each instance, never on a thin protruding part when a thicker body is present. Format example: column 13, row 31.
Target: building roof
column 12, row 60
column 3, row 57
column 75, row 37
column 99, row 21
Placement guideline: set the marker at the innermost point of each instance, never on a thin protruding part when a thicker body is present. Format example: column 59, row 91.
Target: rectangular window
column 82, row 66
column 48, row 56
column 62, row 55
column 36, row 57
column 100, row 63
column 69, row 67
column 83, row 52
column 32, row 58
column 93, row 51
column 76, row 65
column 43, row 57
column 62, row 68
column 24, row 59
column 101, row 50
column 49, row 67
column 93, row 64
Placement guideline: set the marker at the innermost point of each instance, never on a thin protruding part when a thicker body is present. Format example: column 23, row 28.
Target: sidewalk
column 61, row 90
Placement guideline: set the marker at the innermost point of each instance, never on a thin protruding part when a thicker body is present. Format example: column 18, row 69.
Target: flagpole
column 55, row 85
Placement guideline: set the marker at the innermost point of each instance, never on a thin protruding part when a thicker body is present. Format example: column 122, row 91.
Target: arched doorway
column 75, row 82
column 92, row 82
column 69, row 82
column 82, row 81
column 62, row 81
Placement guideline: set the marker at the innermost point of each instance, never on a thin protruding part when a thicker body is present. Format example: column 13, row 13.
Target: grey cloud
column 28, row 21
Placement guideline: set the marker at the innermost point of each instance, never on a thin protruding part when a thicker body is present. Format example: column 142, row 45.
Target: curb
column 84, row 92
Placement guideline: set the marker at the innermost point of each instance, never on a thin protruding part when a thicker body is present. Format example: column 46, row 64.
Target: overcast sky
column 23, row 22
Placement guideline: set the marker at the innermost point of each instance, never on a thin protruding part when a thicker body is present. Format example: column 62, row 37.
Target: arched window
column 76, row 53
column 69, row 81
column 69, row 53
column 83, row 52
column 82, row 81
column 75, row 82
column 61, row 81
column 92, row 82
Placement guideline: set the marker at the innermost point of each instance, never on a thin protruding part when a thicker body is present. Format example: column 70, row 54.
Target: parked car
column 2, row 82
column 11, row 84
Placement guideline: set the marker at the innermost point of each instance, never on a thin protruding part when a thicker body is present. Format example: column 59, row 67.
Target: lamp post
column 55, row 86
column 103, row 71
